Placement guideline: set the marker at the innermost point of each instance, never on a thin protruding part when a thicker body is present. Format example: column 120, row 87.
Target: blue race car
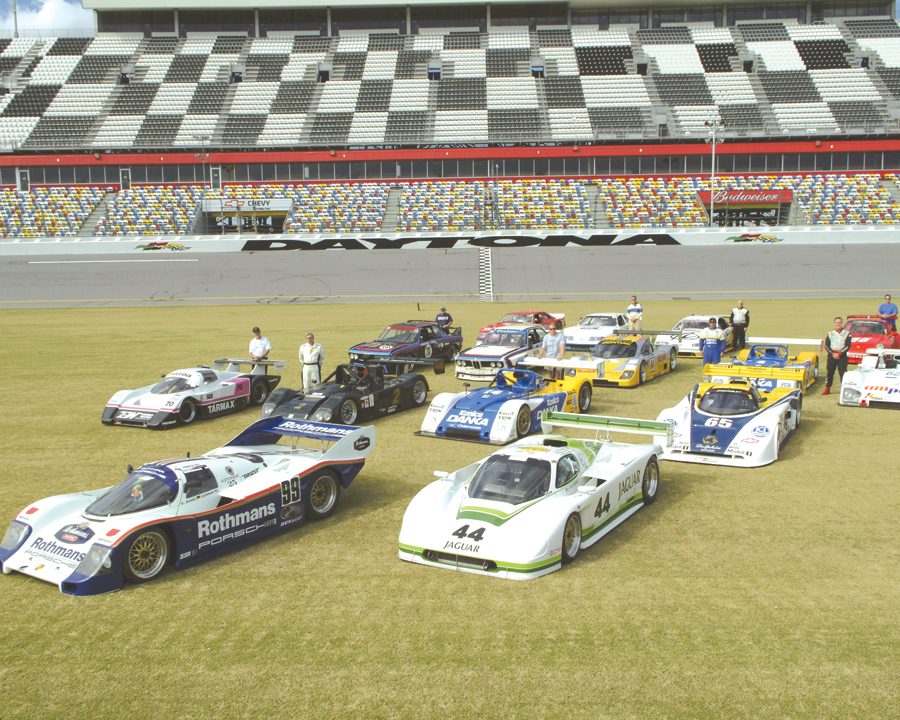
column 776, row 355
column 508, row 409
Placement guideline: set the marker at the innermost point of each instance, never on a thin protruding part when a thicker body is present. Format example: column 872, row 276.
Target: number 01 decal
column 290, row 491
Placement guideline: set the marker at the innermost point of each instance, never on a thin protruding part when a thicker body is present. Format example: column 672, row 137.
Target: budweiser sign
column 747, row 197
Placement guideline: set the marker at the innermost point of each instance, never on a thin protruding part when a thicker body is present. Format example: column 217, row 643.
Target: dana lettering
column 468, row 417
column 229, row 520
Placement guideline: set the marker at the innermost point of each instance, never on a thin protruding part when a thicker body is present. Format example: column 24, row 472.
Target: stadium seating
column 46, row 212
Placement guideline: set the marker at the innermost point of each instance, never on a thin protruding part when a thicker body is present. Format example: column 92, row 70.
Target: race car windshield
column 769, row 352
column 511, row 481
column 398, row 335
column 615, row 350
column 516, row 317
column 593, row 321
column 694, row 324
column 728, row 402
column 861, row 327
column 505, row 339
column 139, row 491
column 170, row 385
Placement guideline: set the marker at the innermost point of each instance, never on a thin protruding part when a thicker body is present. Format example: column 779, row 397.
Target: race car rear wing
column 350, row 442
column 783, row 341
column 258, row 367
column 626, row 331
column 764, row 378
column 604, row 427
column 578, row 363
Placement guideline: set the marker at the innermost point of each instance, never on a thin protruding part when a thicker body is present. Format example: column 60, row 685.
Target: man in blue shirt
column 444, row 319
column 888, row 310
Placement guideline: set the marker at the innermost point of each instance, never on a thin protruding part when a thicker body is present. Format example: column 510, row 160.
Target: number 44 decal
column 463, row 532
column 602, row 506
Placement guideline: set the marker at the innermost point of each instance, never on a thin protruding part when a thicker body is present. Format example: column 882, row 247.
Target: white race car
column 500, row 348
column 185, row 395
column 686, row 333
column 527, row 509
column 177, row 512
column 591, row 329
column 875, row 382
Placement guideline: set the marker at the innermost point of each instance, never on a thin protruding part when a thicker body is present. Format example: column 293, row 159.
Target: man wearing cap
column 311, row 358
column 444, row 320
column 259, row 346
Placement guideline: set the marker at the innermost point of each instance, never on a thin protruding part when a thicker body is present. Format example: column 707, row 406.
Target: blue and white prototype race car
column 184, row 396
column 732, row 423
column 528, row 508
column 177, row 512
column 509, row 408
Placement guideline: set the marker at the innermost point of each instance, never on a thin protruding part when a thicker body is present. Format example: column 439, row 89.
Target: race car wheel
column 259, row 391
column 642, row 373
column 454, row 351
column 585, row 395
column 188, row 412
column 419, row 392
column 815, row 372
column 559, row 324
column 650, row 483
column 348, row 411
column 523, row 421
column 797, row 411
column 571, row 540
column 324, row 492
column 673, row 359
column 146, row 556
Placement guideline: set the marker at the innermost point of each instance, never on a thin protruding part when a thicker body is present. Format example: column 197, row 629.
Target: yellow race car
column 767, row 379
column 625, row 361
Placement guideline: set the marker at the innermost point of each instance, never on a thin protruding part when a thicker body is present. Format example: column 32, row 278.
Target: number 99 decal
column 290, row 491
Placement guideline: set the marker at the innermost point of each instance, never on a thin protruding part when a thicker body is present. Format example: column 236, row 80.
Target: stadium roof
column 129, row 5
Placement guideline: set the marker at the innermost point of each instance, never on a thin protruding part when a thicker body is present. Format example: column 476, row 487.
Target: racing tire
column 673, row 359
column 799, row 411
column 585, row 396
column 188, row 412
column 815, row 370
column 571, row 538
column 559, row 325
column 324, row 493
column 146, row 556
column 453, row 352
column 523, row 421
column 642, row 373
column 650, row 481
column 419, row 393
column 259, row 391
column 348, row 411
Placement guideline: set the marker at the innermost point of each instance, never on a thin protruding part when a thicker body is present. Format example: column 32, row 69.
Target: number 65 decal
column 718, row 422
column 290, row 491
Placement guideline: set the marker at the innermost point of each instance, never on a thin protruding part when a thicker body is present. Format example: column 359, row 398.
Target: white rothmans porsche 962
column 527, row 509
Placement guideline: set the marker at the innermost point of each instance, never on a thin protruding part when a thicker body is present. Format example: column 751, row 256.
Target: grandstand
column 506, row 115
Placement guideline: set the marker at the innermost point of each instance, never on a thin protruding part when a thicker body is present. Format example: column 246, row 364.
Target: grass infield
column 768, row 593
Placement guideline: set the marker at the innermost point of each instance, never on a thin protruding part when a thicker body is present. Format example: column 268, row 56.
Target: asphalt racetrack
column 680, row 272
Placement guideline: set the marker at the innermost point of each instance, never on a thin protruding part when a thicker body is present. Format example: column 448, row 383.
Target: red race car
column 529, row 317
column 869, row 331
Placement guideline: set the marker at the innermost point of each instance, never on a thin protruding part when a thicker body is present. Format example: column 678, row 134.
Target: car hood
column 491, row 351
column 379, row 346
column 486, row 398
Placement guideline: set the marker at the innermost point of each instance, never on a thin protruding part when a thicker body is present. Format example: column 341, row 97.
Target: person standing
column 553, row 347
column 713, row 340
column 311, row 358
column 259, row 346
column 888, row 311
column 740, row 321
column 635, row 314
column 837, row 343
column 444, row 320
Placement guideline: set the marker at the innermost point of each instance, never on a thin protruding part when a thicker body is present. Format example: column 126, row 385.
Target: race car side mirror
column 441, row 474
column 129, row 468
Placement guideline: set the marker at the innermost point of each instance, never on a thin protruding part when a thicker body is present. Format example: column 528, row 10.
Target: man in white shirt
column 259, row 346
column 713, row 340
column 635, row 314
column 553, row 346
column 740, row 321
column 311, row 358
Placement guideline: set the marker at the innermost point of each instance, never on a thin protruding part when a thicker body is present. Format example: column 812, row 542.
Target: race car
column 686, row 333
column 178, row 512
column 410, row 339
column 353, row 392
column 526, row 510
column 591, row 329
column 529, row 317
column 794, row 377
column 630, row 360
column 509, row 408
column 875, row 382
column 732, row 423
column 869, row 332
column 501, row 347
column 183, row 396
column 776, row 355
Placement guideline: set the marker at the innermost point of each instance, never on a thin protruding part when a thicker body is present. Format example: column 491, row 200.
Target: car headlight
column 15, row 535
column 850, row 395
column 267, row 410
column 96, row 561
column 880, row 346
column 354, row 356
column 627, row 375
column 322, row 415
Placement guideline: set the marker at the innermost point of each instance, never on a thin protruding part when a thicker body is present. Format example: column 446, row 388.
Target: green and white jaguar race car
column 527, row 509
